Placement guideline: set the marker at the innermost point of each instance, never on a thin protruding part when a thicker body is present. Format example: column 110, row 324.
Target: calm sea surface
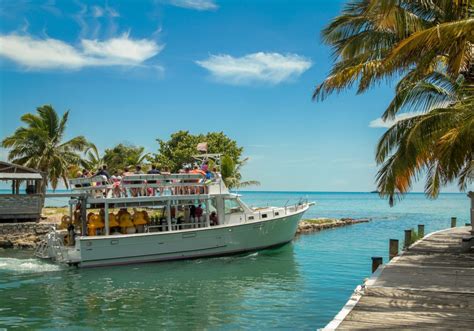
column 299, row 286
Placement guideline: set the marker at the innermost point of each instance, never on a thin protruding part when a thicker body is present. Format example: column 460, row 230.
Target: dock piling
column 421, row 230
column 408, row 235
column 471, row 196
column 393, row 248
column 453, row 222
column 376, row 262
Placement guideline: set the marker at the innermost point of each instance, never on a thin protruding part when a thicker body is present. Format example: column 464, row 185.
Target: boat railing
column 162, row 181
column 101, row 186
column 91, row 183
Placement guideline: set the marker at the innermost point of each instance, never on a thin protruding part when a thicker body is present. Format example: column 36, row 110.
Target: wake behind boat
column 199, row 218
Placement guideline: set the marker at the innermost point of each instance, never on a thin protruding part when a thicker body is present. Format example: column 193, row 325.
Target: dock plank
column 430, row 286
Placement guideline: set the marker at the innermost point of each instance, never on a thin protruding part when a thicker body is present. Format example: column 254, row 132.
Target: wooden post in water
column 376, row 261
column 453, row 222
column 393, row 249
column 408, row 234
column 471, row 196
column 421, row 230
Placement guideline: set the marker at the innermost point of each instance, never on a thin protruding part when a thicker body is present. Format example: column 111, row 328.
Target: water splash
column 26, row 266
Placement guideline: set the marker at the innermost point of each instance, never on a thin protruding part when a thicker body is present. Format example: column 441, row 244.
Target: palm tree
column 92, row 161
column 429, row 44
column 40, row 145
column 380, row 39
column 438, row 140
column 231, row 173
column 122, row 155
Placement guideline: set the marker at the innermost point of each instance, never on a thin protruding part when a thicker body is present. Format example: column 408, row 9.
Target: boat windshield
column 232, row 206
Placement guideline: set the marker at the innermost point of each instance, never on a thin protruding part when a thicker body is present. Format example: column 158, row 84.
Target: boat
column 198, row 217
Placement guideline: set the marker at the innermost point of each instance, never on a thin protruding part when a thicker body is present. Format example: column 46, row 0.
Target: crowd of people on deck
column 118, row 178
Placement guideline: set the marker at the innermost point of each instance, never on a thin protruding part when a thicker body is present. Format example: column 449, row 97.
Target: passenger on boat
column 198, row 212
column 196, row 170
column 103, row 172
column 153, row 171
column 126, row 172
column 213, row 218
column 186, row 189
column 166, row 171
column 116, row 188
column 192, row 213
column 135, row 191
column 85, row 174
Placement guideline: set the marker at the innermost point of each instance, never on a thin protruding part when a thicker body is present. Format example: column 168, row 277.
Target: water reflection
column 205, row 293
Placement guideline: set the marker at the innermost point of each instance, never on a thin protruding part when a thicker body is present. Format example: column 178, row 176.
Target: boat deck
column 431, row 286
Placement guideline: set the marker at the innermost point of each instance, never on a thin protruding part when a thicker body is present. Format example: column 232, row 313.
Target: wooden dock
column 430, row 286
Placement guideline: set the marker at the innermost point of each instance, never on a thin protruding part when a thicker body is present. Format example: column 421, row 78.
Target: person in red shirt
column 198, row 213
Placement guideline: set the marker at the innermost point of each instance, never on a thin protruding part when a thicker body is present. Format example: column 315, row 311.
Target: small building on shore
column 24, row 198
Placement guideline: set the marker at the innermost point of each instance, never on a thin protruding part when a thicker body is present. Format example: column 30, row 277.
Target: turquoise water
column 299, row 286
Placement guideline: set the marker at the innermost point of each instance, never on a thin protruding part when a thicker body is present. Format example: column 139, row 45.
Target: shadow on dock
column 430, row 286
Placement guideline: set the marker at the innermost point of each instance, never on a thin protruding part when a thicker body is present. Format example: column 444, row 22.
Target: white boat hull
column 185, row 244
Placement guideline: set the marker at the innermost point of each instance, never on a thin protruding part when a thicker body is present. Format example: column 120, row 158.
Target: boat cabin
column 146, row 203
column 24, row 198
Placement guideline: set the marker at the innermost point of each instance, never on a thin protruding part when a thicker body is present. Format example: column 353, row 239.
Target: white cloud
column 97, row 11
column 122, row 48
column 379, row 123
column 271, row 68
column 195, row 4
column 52, row 53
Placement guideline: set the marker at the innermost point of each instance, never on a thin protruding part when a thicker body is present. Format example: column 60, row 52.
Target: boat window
column 232, row 206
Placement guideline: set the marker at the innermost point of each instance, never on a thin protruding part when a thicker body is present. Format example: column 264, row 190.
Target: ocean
column 301, row 285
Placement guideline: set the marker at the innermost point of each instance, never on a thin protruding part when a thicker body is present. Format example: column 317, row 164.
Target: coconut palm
column 121, row 156
column 374, row 40
column 438, row 140
column 231, row 173
column 429, row 44
column 40, row 145
column 93, row 160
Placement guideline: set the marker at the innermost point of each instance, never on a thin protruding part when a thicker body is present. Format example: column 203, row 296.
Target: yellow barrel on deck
column 140, row 219
column 126, row 224
column 113, row 223
column 95, row 224
column 65, row 221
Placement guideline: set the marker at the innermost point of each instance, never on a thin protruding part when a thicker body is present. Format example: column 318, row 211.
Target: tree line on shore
column 40, row 145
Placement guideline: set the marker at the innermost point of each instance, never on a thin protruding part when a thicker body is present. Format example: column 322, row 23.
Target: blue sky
column 133, row 71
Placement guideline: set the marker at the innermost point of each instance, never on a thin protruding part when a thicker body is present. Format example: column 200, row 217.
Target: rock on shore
column 318, row 224
column 22, row 235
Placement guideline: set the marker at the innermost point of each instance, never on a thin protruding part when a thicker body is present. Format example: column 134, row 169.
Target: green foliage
column 415, row 235
column 439, row 141
column 181, row 147
column 40, row 145
column 230, row 171
column 121, row 156
column 429, row 45
column 93, row 160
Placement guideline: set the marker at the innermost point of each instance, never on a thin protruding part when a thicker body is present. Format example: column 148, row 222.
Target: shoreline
column 307, row 226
